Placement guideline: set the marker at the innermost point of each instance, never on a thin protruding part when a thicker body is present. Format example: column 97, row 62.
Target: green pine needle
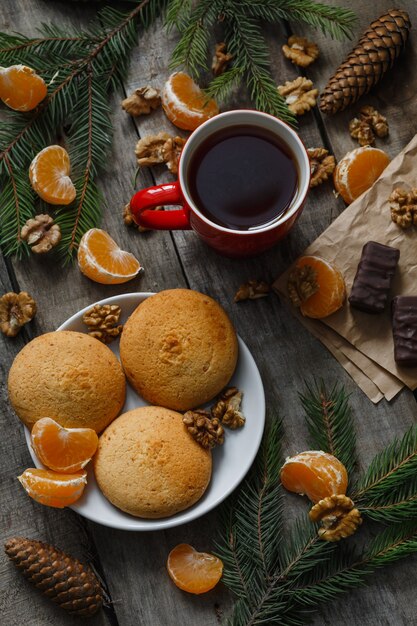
column 388, row 490
column 330, row 424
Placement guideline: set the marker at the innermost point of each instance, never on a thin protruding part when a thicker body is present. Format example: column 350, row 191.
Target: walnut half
column 41, row 233
column 300, row 51
column 322, row 165
column 403, row 205
column 338, row 516
column 299, row 95
column 206, row 431
column 102, row 322
column 16, row 310
column 142, row 101
column 227, row 408
column 252, row 290
column 160, row 148
column 221, row 59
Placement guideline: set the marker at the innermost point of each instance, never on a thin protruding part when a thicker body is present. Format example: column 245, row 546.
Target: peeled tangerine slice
column 315, row 474
column 51, row 488
column 185, row 104
column 192, row 571
column 358, row 170
column 49, row 176
column 62, row 449
column 21, row 88
column 101, row 259
column 316, row 286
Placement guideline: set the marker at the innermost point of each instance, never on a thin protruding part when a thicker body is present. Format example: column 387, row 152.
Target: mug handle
column 168, row 193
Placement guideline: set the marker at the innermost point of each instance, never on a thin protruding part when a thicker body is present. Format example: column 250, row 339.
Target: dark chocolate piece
column 373, row 278
column 404, row 329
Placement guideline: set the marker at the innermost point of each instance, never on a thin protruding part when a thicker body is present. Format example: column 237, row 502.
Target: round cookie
column 70, row 377
column 148, row 465
column 178, row 349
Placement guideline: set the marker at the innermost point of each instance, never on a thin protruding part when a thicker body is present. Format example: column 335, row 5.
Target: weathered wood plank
column 286, row 354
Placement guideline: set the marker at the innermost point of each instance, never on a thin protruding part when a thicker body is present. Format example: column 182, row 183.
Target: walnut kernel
column 252, row 290
column 142, row 101
column 322, row 165
column 102, row 322
column 403, row 205
column 160, row 148
column 207, row 431
column 300, row 51
column 302, row 284
column 227, row 408
column 16, row 310
column 221, row 59
column 369, row 124
column 299, row 95
column 41, row 233
column 338, row 516
column 361, row 131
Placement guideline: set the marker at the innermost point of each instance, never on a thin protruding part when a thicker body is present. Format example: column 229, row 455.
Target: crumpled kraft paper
column 359, row 339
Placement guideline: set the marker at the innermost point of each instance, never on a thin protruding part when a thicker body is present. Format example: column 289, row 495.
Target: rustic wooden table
column 133, row 564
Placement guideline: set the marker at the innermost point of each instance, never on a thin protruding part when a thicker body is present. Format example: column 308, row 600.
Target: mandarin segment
column 329, row 291
column 185, row 104
column 358, row 170
column 65, row 450
column 101, row 259
column 49, row 176
column 21, row 88
column 315, row 474
column 51, row 488
column 192, row 571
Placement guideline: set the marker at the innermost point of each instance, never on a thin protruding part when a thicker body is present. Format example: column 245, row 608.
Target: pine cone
column 62, row 578
column 374, row 54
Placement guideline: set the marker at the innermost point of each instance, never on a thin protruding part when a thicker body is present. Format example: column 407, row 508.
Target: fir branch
column 338, row 22
column 80, row 69
column 16, row 201
column 178, row 14
column 389, row 472
column 329, row 421
column 221, row 87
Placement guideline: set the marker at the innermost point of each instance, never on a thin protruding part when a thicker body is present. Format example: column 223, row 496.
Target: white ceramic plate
column 230, row 461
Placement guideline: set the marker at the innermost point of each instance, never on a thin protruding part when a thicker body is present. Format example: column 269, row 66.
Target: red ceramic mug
column 229, row 242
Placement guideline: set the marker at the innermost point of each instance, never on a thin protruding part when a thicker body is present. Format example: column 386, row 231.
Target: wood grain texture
column 134, row 563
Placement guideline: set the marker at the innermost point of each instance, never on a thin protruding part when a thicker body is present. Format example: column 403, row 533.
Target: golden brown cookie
column 179, row 349
column 70, row 377
column 148, row 465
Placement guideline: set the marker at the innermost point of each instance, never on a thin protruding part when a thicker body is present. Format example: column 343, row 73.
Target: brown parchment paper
column 368, row 338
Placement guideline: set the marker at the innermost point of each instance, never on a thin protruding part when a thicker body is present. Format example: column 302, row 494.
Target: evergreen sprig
column 388, row 490
column 241, row 24
column 330, row 424
column 282, row 582
column 80, row 68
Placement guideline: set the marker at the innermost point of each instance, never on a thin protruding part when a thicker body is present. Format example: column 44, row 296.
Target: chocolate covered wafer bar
column 404, row 329
column 372, row 283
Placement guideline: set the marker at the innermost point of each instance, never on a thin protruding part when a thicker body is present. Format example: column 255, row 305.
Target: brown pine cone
column 62, row 578
column 374, row 54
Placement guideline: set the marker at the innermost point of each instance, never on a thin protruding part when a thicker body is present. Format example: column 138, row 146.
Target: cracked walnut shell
column 403, row 205
column 300, row 51
column 160, row 148
column 299, row 95
column 227, row 408
column 41, row 233
column 142, row 101
column 338, row 516
column 16, row 310
column 322, row 165
column 102, row 322
column 207, row 431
